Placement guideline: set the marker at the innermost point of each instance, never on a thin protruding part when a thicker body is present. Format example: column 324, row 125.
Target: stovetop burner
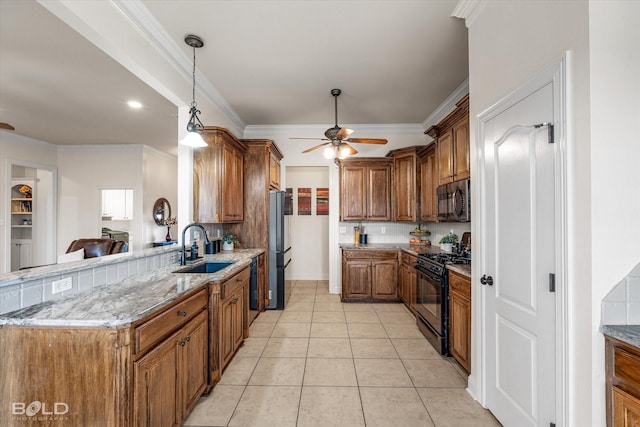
column 446, row 258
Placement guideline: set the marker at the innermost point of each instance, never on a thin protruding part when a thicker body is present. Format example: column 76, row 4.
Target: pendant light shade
column 195, row 126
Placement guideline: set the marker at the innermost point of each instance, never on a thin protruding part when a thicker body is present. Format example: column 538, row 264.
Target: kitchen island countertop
column 629, row 334
column 129, row 300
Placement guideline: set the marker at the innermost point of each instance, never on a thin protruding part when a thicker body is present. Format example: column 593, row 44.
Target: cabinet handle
column 182, row 343
column 183, row 313
column 187, row 339
column 235, row 301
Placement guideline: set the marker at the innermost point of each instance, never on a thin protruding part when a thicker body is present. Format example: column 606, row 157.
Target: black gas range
column 432, row 296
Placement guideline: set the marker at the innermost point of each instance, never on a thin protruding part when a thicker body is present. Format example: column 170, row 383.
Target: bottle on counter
column 356, row 235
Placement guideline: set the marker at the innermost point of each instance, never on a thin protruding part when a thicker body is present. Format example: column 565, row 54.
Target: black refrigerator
column 279, row 252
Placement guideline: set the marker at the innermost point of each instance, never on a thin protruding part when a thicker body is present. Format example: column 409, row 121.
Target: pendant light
column 195, row 126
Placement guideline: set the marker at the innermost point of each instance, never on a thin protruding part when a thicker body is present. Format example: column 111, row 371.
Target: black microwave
column 454, row 201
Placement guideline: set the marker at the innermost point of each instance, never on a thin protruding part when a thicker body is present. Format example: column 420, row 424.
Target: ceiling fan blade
column 6, row 126
column 367, row 140
column 353, row 150
column 343, row 133
column 316, row 147
column 315, row 139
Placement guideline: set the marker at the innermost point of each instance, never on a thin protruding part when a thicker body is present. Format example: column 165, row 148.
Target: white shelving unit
column 22, row 222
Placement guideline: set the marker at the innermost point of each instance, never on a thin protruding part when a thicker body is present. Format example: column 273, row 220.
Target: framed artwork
column 304, row 201
column 322, row 201
column 288, row 201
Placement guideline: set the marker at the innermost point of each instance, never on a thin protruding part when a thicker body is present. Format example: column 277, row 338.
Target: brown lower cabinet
column 147, row 373
column 408, row 278
column 369, row 275
column 623, row 383
column 460, row 319
column 170, row 378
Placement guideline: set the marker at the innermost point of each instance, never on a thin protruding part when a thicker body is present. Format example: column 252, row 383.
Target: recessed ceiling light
column 134, row 104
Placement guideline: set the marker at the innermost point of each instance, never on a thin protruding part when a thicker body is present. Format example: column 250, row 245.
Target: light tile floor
column 323, row 363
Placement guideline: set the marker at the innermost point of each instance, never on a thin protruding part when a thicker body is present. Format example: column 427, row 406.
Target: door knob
column 486, row 280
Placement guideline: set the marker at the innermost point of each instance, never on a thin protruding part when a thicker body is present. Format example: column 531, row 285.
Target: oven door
column 429, row 298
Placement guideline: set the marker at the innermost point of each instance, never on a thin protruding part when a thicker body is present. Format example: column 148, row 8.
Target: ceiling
column 273, row 62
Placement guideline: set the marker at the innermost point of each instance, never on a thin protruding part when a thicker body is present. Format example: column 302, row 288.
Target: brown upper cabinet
column 365, row 189
column 452, row 147
column 218, row 178
column 274, row 169
column 428, row 182
column 405, row 183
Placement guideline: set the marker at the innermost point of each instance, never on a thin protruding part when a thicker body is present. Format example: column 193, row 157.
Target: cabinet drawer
column 626, row 366
column 408, row 259
column 152, row 331
column 460, row 284
column 230, row 285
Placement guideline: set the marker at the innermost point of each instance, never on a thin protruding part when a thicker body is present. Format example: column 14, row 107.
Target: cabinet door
column 413, row 281
column 404, row 178
column 444, row 151
column 353, row 196
column 378, row 193
column 233, row 185
column 155, row 391
column 428, row 185
column 385, row 279
column 404, row 284
column 626, row 409
column 460, row 329
column 238, row 309
column 193, row 346
column 274, row 172
column 461, row 155
column 226, row 331
column 356, row 279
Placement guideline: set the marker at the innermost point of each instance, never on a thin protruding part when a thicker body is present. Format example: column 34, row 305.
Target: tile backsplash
column 621, row 306
column 398, row 232
column 37, row 290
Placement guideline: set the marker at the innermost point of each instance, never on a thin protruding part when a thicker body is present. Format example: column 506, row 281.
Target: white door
column 519, row 216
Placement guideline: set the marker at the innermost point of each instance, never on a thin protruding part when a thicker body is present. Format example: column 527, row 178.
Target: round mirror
column 161, row 211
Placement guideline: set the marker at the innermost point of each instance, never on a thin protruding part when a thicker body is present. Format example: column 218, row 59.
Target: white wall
column 160, row 179
column 83, row 172
column 309, row 233
column 614, row 36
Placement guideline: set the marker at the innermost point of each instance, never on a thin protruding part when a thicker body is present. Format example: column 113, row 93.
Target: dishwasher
column 253, row 285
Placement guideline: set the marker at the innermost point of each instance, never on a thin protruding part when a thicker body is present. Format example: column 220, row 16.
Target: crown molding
column 254, row 131
column 11, row 136
column 447, row 106
column 100, row 148
column 149, row 27
column 468, row 10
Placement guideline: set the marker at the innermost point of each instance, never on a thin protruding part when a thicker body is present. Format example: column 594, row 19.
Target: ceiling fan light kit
column 193, row 138
column 338, row 139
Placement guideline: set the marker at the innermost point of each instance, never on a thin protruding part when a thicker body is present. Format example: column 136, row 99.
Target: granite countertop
column 407, row 247
column 629, row 334
column 463, row 269
column 127, row 301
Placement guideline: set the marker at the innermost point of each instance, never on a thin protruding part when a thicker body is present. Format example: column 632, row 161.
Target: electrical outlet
column 61, row 285
column 383, row 230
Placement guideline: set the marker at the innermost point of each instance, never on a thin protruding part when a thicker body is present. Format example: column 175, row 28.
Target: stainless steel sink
column 205, row 267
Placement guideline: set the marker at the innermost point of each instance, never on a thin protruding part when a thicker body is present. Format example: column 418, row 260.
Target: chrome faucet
column 208, row 246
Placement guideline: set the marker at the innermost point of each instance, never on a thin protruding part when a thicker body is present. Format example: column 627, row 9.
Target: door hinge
column 549, row 126
column 552, row 282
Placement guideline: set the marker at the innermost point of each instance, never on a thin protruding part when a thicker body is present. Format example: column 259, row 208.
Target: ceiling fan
column 338, row 138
